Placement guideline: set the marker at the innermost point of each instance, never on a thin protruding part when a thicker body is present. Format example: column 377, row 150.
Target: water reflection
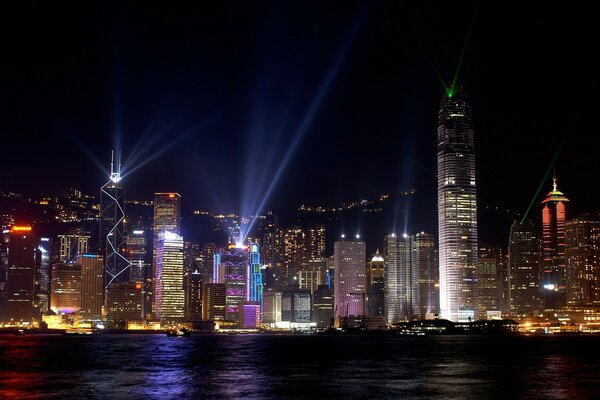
column 280, row 367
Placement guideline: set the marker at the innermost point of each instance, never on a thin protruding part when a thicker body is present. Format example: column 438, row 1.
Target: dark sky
column 340, row 97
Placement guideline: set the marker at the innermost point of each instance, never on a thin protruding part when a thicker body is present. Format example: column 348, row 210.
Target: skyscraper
column 19, row 290
column 524, row 268
column 136, row 253
column 582, row 251
column 553, row 248
column 397, row 255
column 255, row 289
column 350, row 278
column 457, row 208
column 316, row 241
column 193, row 296
column 112, row 218
column 295, row 254
column 167, row 217
column 425, row 264
column 169, row 291
column 92, row 271
column 231, row 269
column 65, row 295
column 43, row 267
column 375, row 286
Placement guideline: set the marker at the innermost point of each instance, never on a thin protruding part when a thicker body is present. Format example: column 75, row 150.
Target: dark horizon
column 330, row 103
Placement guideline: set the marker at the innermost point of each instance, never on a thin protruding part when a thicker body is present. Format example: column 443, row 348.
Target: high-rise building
column 112, row 219
column 295, row 254
column 213, row 302
column 425, row 264
column 72, row 245
column 350, row 279
column 271, row 307
column 168, row 289
column 19, row 291
column 272, row 248
column 314, row 275
column 553, row 248
column 124, row 302
column 582, row 251
column 457, row 208
column 65, row 295
column 167, row 218
column 231, row 269
column 524, row 269
column 136, row 244
column 255, row 289
column 401, row 278
column 376, row 286
column 193, row 296
column 92, row 289
column 43, row 268
column 323, row 306
column 249, row 315
column 296, row 306
column 316, row 241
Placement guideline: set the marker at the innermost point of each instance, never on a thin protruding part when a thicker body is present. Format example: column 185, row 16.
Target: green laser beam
column 452, row 88
column 549, row 169
column 437, row 73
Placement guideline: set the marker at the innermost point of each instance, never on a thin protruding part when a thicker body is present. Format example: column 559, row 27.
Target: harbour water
column 299, row 367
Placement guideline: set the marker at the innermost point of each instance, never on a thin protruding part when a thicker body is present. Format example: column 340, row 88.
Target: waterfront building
column 457, row 208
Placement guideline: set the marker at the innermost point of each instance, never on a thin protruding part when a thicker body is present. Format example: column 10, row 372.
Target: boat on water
column 176, row 332
column 79, row 331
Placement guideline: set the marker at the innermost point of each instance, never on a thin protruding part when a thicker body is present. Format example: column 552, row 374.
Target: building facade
column 457, row 208
column 168, row 290
column 350, row 279
column 553, row 248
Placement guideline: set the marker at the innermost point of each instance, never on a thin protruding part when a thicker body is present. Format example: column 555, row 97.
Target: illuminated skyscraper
column 43, row 267
column 169, row 291
column 65, row 296
column 213, row 301
column 488, row 289
column 316, row 241
column 376, row 286
column 401, row 279
column 582, row 250
column 425, row 265
column 92, row 270
column 124, row 302
column 167, row 213
column 524, row 268
column 112, row 217
column 193, row 296
column 255, row 290
column 350, row 278
column 295, row 254
column 457, row 208
column 553, row 248
column 231, row 269
column 19, row 290
column 136, row 253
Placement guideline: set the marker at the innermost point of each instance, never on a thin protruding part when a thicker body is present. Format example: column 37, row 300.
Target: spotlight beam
column 309, row 115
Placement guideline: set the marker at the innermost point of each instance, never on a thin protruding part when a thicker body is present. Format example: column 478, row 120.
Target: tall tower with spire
column 457, row 208
column 553, row 247
column 112, row 218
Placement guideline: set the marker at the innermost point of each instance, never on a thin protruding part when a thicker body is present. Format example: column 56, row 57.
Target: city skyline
column 392, row 97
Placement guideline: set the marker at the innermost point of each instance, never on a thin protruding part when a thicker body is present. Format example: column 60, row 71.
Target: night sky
column 337, row 100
